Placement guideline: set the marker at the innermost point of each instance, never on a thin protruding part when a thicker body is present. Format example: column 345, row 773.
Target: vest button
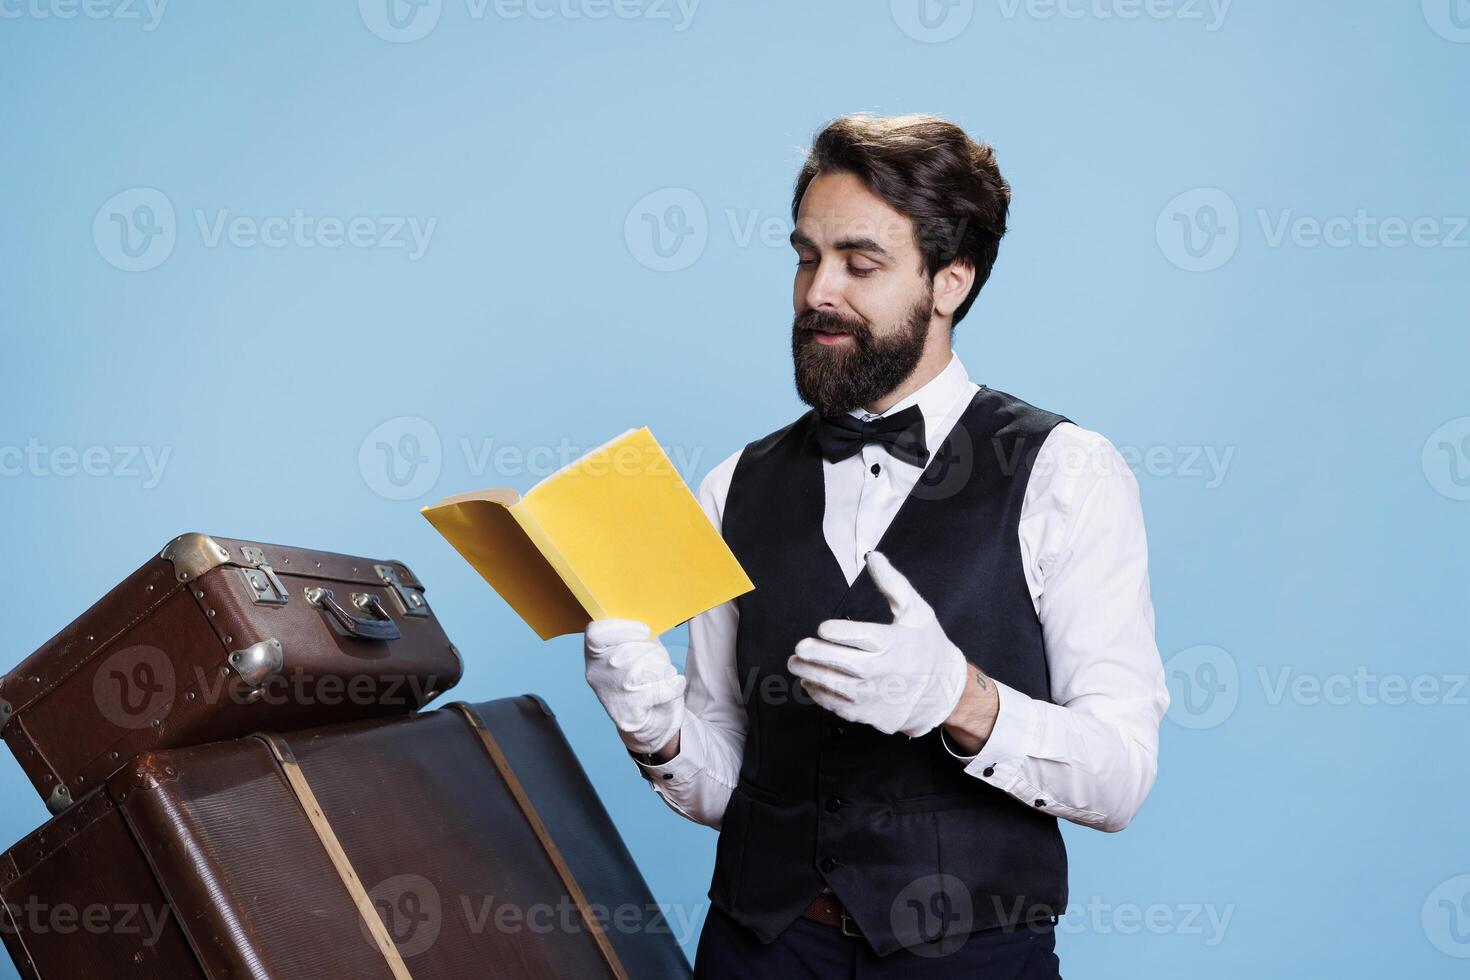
column 990, row 770
column 828, row 863
column 834, row 803
column 836, row 731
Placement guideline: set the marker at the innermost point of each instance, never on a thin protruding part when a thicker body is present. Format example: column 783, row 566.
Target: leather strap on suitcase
column 534, row 819
column 301, row 788
column 319, row 823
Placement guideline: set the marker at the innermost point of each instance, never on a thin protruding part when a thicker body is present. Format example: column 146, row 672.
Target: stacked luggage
column 244, row 785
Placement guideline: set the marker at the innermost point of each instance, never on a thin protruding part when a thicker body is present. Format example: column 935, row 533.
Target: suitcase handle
column 379, row 626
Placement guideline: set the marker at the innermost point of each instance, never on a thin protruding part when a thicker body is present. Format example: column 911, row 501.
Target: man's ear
column 951, row 285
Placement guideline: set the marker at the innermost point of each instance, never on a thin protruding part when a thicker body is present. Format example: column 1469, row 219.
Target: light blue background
column 1328, row 836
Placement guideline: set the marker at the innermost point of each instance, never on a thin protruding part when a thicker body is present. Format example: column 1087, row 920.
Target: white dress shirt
column 1091, row 756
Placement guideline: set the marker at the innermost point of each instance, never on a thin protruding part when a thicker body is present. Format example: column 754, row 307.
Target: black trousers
column 809, row 950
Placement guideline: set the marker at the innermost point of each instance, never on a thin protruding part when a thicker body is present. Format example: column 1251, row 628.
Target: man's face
column 862, row 298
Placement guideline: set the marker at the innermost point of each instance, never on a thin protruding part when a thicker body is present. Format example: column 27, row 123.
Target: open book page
column 640, row 544
column 489, row 536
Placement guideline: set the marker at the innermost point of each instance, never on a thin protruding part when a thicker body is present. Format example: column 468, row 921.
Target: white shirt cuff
column 999, row 760
column 685, row 764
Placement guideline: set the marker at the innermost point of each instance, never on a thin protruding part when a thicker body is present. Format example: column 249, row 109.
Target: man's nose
column 824, row 291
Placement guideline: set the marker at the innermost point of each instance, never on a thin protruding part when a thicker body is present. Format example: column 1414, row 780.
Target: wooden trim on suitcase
column 502, row 765
column 296, row 779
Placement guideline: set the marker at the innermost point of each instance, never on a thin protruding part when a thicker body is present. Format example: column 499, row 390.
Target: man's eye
column 806, row 261
column 860, row 272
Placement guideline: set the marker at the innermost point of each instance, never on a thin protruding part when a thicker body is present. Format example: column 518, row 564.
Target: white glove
column 905, row 677
column 637, row 683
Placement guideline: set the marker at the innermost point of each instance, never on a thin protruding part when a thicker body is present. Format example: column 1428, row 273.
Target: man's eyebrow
column 798, row 240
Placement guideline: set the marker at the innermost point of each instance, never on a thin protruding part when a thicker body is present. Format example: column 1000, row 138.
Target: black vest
column 915, row 847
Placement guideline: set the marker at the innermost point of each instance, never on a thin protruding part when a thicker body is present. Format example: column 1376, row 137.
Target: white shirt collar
column 941, row 400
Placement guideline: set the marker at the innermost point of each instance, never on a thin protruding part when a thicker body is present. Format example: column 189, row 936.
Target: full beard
column 837, row 378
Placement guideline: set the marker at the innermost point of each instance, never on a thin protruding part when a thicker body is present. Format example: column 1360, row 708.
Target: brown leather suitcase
column 460, row 843
column 216, row 638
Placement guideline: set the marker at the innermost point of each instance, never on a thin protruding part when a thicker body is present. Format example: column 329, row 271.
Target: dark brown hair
column 928, row 169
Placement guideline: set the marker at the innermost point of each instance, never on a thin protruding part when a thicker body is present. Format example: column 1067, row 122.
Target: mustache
column 831, row 322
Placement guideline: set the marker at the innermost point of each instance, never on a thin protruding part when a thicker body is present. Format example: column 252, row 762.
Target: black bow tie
column 902, row 434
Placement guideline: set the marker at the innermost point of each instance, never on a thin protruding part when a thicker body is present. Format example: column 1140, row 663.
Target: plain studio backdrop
column 289, row 271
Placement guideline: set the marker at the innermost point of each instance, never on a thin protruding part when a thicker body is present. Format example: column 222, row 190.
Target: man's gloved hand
column 901, row 677
column 637, row 683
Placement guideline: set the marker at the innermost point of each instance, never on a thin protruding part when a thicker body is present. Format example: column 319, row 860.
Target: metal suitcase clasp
column 265, row 586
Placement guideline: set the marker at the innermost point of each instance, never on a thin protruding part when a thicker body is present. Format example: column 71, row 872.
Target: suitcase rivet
column 209, row 613
column 157, row 723
column 150, row 588
column 189, row 696
column 318, row 564
column 229, row 639
column 90, row 637
column 81, row 780
column 169, row 771
column 35, row 680
column 286, row 561
column 199, row 595
column 113, row 755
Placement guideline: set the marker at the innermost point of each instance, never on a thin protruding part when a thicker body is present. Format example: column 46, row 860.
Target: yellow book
column 615, row 534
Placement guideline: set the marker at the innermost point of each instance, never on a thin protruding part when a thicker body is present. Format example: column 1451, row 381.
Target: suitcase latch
column 410, row 599
column 59, row 799
column 5, row 712
column 258, row 663
column 265, row 586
